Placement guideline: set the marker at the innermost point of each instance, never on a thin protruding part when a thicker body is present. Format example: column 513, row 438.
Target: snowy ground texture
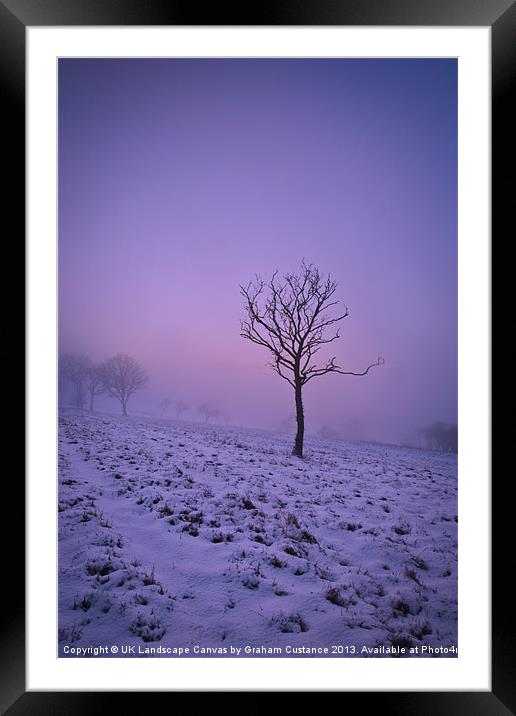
column 178, row 535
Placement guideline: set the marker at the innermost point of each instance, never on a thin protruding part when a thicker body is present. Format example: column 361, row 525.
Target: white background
column 471, row 670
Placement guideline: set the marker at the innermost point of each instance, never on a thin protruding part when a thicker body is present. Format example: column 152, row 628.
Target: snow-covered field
column 179, row 536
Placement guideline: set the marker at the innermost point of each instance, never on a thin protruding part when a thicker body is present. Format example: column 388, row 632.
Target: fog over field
column 258, row 357
column 181, row 180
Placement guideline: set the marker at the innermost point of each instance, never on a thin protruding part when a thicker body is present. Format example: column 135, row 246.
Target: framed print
column 258, row 266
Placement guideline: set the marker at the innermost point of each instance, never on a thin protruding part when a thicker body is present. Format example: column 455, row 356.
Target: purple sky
column 180, row 179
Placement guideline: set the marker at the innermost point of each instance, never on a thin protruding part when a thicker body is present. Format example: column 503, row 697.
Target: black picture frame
column 500, row 16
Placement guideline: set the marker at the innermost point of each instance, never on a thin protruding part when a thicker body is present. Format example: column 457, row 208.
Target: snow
column 182, row 539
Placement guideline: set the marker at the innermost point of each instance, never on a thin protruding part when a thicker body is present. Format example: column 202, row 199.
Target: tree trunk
column 124, row 407
column 79, row 400
column 300, row 418
column 91, row 401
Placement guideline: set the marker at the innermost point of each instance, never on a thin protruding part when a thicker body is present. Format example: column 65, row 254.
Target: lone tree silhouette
column 122, row 376
column 290, row 320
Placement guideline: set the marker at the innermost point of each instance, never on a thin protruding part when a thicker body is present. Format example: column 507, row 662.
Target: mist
column 179, row 180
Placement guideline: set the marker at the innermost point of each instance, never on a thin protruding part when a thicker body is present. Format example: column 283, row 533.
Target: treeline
column 118, row 377
column 439, row 436
column 207, row 410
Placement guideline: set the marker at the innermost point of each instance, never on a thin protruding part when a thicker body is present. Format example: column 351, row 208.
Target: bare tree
column 122, row 377
column 181, row 406
column 74, row 368
column 208, row 411
column 328, row 433
column 164, row 405
column 287, row 425
column 290, row 320
column 94, row 383
column 439, row 436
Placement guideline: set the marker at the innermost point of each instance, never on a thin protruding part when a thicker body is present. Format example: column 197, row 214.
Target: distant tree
column 180, row 408
column 439, row 436
column 421, row 437
column 453, row 438
column 74, row 368
column 164, row 405
column 288, row 425
column 290, row 320
column 208, row 411
column 328, row 433
column 122, row 377
column 94, row 383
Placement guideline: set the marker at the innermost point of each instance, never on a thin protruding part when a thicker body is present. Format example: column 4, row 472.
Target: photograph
column 257, row 357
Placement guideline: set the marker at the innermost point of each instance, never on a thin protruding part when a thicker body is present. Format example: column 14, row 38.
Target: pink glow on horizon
column 179, row 180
